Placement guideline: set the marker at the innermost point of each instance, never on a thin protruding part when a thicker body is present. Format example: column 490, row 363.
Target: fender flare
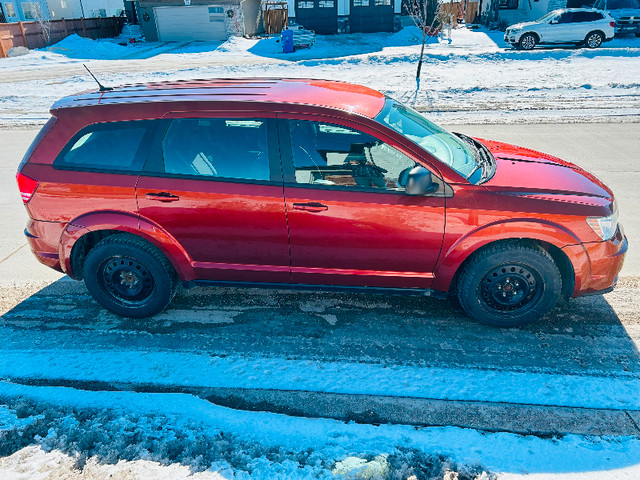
column 124, row 222
column 539, row 230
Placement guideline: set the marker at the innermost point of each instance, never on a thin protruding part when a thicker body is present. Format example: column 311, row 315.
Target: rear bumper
column 43, row 239
column 598, row 264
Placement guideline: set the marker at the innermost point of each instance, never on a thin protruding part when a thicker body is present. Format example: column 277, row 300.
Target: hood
column 525, row 172
column 522, row 25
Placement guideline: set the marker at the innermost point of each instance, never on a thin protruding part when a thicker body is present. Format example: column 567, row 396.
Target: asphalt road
column 592, row 336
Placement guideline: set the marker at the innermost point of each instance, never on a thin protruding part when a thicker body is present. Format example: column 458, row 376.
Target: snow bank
column 177, row 429
column 75, row 46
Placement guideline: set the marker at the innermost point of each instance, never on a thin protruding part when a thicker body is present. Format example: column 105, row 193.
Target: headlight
column 514, row 30
column 605, row 227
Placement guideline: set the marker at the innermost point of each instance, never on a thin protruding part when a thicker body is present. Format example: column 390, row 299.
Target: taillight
column 27, row 186
column 612, row 24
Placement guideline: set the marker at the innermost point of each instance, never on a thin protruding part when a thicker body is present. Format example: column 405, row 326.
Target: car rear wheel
column 593, row 40
column 509, row 284
column 527, row 41
column 129, row 276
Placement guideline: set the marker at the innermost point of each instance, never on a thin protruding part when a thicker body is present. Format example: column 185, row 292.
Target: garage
column 371, row 16
column 202, row 23
column 318, row 15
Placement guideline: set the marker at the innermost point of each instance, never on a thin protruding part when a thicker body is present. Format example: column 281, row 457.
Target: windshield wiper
column 484, row 157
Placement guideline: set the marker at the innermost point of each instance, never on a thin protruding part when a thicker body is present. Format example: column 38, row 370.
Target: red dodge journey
column 293, row 183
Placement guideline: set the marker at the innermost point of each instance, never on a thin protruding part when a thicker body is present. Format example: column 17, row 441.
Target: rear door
column 214, row 184
column 350, row 222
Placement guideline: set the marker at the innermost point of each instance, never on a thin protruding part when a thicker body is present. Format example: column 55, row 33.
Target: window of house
column 305, row 5
column 360, row 3
column 508, row 4
column 330, row 155
column 326, row 3
column 382, row 3
column 216, row 147
column 10, row 10
column 31, row 11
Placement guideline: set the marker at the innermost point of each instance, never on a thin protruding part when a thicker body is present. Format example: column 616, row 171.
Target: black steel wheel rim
column 126, row 280
column 511, row 288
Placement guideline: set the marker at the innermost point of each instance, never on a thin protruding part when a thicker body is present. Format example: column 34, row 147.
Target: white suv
column 581, row 26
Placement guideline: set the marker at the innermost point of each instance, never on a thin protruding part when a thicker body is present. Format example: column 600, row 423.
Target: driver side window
column 332, row 155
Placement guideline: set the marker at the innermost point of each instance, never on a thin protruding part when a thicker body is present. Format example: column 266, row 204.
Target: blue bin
column 287, row 41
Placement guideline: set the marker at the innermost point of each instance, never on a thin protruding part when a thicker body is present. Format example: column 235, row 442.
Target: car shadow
column 584, row 336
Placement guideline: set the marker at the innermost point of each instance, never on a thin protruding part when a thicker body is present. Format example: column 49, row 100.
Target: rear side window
column 217, row 147
column 117, row 146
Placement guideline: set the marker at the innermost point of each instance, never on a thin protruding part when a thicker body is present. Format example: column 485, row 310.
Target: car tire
column 593, row 39
column 129, row 276
column 527, row 41
column 509, row 284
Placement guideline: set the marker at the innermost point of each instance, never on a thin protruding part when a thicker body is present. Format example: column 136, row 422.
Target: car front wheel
column 508, row 285
column 527, row 41
column 129, row 276
column 593, row 40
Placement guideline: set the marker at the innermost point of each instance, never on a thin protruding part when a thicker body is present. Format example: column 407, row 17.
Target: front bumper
column 598, row 264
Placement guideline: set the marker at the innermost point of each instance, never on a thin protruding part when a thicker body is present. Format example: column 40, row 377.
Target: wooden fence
column 38, row 35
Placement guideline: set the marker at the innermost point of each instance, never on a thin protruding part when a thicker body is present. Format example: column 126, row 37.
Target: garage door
column 318, row 15
column 205, row 23
column 371, row 16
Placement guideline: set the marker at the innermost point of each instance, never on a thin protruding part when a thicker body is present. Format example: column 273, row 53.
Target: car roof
column 323, row 93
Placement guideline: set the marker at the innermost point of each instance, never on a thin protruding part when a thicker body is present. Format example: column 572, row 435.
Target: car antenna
column 102, row 87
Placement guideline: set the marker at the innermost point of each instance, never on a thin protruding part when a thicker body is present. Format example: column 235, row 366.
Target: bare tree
column 45, row 25
column 422, row 12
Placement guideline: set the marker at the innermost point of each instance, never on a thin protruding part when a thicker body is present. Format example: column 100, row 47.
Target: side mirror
column 554, row 21
column 419, row 182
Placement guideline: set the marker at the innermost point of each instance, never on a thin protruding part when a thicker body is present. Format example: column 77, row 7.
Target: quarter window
column 330, row 155
column 118, row 146
column 216, row 147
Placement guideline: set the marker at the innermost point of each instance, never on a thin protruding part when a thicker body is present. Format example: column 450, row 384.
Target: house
column 205, row 20
column 516, row 11
column 19, row 11
column 26, row 11
column 347, row 16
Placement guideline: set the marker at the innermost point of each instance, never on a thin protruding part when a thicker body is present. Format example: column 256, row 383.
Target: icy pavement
column 476, row 78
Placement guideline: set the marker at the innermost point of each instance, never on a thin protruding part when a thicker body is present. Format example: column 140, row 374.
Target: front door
column 215, row 186
column 350, row 222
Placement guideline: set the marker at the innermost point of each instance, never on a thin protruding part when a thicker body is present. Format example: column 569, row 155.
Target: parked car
column 626, row 14
column 580, row 26
column 307, row 184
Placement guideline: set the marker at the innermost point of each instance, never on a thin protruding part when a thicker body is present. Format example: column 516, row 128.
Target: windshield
column 445, row 146
column 547, row 17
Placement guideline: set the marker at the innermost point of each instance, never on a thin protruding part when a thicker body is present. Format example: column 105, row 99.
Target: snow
column 261, row 372
column 177, row 430
column 476, row 78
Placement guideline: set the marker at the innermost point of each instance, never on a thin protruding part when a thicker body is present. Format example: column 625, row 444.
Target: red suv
column 307, row 184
